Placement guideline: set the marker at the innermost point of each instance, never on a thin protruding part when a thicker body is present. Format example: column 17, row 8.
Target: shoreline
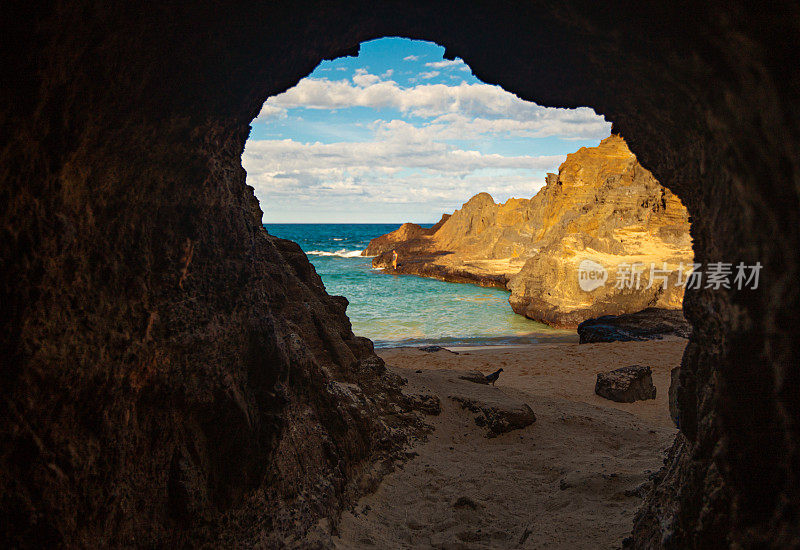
column 569, row 337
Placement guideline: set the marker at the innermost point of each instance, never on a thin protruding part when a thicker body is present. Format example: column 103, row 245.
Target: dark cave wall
column 171, row 373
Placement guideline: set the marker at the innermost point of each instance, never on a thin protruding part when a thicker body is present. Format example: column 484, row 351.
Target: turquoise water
column 397, row 310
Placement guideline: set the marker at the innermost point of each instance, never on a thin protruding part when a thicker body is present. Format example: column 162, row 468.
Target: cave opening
column 143, row 302
column 399, row 135
column 358, row 161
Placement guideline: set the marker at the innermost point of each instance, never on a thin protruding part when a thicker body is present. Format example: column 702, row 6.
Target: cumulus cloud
column 400, row 168
column 409, row 163
column 472, row 108
column 398, row 147
column 445, row 63
column 362, row 78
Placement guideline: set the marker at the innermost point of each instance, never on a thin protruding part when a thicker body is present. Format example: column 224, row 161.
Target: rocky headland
column 602, row 206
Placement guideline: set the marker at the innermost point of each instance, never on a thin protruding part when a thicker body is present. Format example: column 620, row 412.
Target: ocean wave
column 343, row 253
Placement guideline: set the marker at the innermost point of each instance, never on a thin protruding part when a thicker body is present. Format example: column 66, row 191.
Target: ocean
column 406, row 310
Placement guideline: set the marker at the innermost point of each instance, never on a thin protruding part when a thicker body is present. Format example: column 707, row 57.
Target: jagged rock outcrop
column 602, row 206
column 122, row 130
column 648, row 324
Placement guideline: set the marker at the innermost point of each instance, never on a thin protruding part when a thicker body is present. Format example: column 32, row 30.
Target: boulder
column 626, row 384
column 648, row 324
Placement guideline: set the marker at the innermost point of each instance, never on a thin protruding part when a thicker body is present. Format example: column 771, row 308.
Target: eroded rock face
column 143, row 307
column 626, row 384
column 605, row 208
column 602, row 206
column 674, row 382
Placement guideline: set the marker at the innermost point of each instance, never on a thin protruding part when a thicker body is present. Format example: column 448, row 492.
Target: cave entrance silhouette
column 331, row 86
column 136, row 184
column 397, row 134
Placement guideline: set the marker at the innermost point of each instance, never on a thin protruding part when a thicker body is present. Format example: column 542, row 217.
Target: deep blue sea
column 400, row 310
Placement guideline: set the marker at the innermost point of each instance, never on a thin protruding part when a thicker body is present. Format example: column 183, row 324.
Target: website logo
column 591, row 275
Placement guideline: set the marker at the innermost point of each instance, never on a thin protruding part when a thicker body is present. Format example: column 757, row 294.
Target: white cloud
column 363, row 79
column 410, row 167
column 400, row 169
column 473, row 109
column 399, row 146
column 411, row 58
column 445, row 63
column 429, row 74
column 402, row 165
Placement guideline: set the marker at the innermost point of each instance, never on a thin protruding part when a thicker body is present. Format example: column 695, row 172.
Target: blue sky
column 400, row 134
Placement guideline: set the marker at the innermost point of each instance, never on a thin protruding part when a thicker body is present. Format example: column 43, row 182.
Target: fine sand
column 573, row 479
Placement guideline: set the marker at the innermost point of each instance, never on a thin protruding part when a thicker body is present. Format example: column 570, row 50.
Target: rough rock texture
column 626, row 384
column 602, row 206
column 426, row 402
column 143, row 307
column 674, row 411
column 474, row 376
column 647, row 324
column 497, row 411
column 434, row 349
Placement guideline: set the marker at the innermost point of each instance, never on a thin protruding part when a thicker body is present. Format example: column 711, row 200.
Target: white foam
column 343, row 253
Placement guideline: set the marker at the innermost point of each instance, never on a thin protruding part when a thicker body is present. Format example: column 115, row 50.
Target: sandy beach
column 573, row 479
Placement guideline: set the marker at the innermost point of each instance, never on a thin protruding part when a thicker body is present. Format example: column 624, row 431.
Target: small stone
column 465, row 502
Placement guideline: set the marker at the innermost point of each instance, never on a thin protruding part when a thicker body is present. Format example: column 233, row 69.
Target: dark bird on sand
column 494, row 376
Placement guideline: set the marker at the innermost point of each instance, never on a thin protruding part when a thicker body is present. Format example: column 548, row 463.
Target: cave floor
column 569, row 480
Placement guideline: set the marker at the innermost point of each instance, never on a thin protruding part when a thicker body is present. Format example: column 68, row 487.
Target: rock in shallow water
column 626, row 384
column 648, row 324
